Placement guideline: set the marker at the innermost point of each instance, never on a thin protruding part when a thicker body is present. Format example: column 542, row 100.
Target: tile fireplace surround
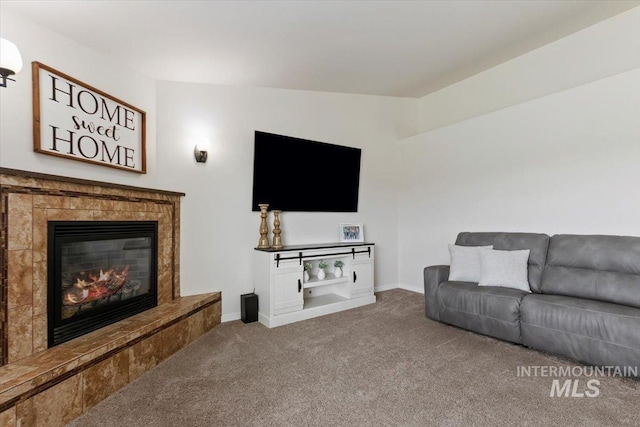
column 50, row 387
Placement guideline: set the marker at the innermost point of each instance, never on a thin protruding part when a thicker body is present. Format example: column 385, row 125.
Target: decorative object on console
column 338, row 268
column 263, row 242
column 307, row 268
column 76, row 121
column 277, row 238
column 10, row 61
column 321, row 266
column 200, row 155
column 351, row 233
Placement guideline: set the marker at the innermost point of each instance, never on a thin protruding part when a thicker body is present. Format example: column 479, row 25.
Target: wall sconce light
column 201, row 155
column 10, row 61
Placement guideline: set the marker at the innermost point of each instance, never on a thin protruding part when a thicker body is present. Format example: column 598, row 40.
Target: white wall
column 605, row 49
column 219, row 230
column 16, row 133
column 564, row 163
column 547, row 142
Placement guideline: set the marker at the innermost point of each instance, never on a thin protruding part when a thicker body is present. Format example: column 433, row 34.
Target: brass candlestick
column 263, row 243
column 277, row 239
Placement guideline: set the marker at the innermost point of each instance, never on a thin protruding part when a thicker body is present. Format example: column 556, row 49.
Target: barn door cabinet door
column 361, row 277
column 288, row 294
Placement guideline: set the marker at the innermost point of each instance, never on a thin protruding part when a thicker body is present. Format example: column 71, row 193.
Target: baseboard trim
column 230, row 317
column 236, row 316
column 416, row 289
column 382, row 288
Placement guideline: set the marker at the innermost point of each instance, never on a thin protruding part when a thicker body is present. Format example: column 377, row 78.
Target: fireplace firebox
column 99, row 272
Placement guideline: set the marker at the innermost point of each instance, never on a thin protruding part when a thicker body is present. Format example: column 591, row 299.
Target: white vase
column 338, row 272
column 321, row 274
column 305, row 276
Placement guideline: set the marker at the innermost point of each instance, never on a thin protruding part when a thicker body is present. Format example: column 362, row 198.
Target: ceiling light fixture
column 10, row 61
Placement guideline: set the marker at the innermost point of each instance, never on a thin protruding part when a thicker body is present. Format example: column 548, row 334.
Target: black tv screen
column 293, row 174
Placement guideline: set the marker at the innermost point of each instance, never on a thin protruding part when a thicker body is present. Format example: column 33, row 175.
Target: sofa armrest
column 433, row 276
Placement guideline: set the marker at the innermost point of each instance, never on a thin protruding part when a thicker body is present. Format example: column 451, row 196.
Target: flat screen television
column 298, row 175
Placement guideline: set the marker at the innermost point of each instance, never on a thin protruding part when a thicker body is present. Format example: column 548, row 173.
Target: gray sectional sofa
column 584, row 301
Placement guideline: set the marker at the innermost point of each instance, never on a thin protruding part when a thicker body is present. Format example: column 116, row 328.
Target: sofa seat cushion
column 595, row 332
column 487, row 310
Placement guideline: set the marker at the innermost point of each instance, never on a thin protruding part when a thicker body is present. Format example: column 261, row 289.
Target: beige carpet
column 383, row 364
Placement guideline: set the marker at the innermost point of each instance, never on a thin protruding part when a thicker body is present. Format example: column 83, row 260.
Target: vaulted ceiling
column 396, row 48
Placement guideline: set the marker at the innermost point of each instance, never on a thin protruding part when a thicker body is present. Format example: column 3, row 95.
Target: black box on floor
column 249, row 307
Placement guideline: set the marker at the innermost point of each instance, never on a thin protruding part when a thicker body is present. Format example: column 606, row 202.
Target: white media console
column 285, row 296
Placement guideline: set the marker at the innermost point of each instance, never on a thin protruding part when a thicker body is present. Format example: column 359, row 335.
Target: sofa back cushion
column 602, row 268
column 536, row 243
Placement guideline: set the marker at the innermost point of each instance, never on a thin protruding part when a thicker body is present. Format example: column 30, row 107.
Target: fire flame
column 104, row 276
column 101, row 286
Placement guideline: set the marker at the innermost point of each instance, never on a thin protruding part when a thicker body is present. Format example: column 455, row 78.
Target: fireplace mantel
column 56, row 178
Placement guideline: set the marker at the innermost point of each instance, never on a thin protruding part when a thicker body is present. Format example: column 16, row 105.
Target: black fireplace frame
column 59, row 232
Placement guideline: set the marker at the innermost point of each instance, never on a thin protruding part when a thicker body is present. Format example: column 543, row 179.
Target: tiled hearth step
column 59, row 384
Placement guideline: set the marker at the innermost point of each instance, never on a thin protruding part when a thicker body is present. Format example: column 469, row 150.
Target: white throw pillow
column 506, row 269
column 465, row 263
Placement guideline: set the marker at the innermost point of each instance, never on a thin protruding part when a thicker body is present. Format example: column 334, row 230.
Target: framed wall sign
column 76, row 121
